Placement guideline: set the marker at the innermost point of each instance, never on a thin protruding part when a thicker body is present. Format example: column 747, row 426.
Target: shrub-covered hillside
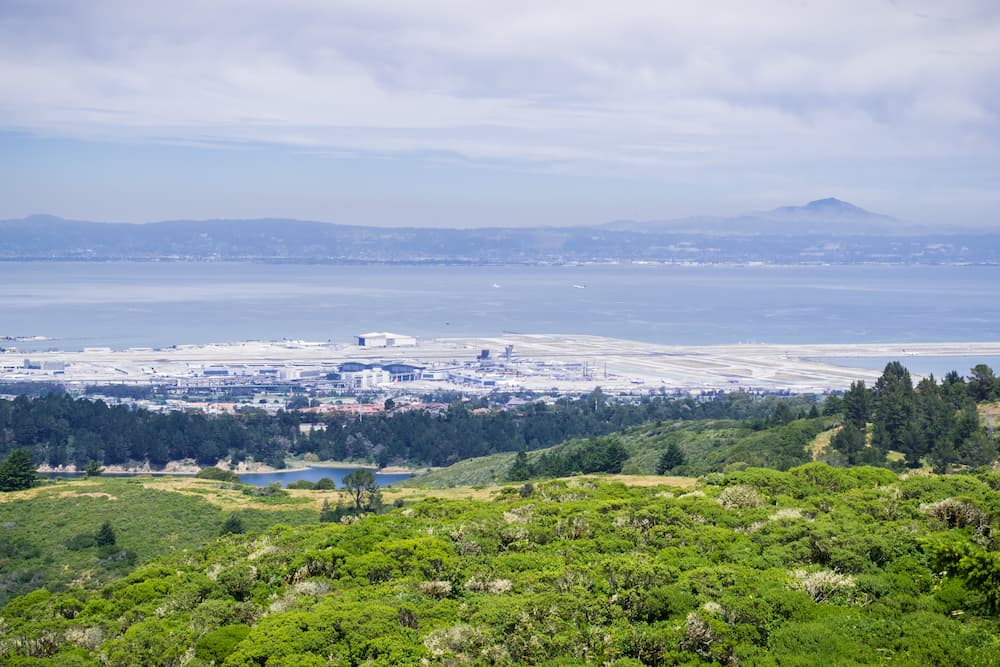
column 48, row 535
column 706, row 445
column 853, row 566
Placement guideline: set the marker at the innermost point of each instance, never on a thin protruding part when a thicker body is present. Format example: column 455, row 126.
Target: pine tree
column 17, row 471
column 520, row 469
column 857, row 404
column 233, row 525
column 849, row 441
column 105, row 535
column 672, row 457
column 893, row 408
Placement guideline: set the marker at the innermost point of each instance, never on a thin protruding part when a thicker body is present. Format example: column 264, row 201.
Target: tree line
column 59, row 430
column 933, row 421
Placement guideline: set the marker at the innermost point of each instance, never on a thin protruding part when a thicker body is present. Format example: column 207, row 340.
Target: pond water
column 283, row 477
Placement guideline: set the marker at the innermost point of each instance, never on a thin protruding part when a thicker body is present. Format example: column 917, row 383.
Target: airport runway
column 541, row 362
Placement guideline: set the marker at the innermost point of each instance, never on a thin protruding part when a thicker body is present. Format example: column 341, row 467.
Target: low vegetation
column 756, row 567
column 782, row 534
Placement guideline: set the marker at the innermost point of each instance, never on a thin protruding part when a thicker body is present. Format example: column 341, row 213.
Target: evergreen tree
column 520, row 469
column 105, row 535
column 857, row 405
column 233, row 525
column 672, row 457
column 17, row 471
column 893, row 408
column 849, row 441
column 982, row 383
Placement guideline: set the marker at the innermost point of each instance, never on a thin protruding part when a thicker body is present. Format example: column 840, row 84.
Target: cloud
column 635, row 83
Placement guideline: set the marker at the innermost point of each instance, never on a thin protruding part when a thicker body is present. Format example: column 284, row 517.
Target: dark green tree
column 982, row 383
column 105, row 535
column 520, row 469
column 17, row 471
column 849, row 441
column 325, row 484
column 893, row 409
column 233, row 525
column 672, row 457
column 92, row 469
column 857, row 404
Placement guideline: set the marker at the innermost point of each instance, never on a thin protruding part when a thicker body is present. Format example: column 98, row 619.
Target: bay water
column 157, row 304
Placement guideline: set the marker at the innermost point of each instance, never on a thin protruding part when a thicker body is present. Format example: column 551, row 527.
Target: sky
column 473, row 113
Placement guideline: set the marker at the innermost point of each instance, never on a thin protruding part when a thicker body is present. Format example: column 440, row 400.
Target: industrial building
column 385, row 339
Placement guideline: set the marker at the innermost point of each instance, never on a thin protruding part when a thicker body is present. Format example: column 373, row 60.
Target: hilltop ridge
column 826, row 230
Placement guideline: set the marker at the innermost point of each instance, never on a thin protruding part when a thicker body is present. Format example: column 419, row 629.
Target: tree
column 893, row 408
column 361, row 486
column 325, row 484
column 982, row 383
column 849, row 441
column 233, row 525
column 93, row 469
column 105, row 535
column 17, row 471
column 857, row 404
column 672, row 457
column 520, row 469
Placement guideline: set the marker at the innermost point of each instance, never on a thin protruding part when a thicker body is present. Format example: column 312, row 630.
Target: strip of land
column 538, row 362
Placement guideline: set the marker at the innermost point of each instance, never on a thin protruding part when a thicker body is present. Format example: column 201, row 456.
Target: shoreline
column 185, row 469
column 541, row 363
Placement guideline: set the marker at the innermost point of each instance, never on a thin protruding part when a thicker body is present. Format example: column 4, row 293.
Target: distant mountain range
column 822, row 231
column 823, row 217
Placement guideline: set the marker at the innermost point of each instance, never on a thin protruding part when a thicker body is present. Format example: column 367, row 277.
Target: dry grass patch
column 822, row 442
column 210, row 491
column 989, row 413
column 652, row 480
column 90, row 494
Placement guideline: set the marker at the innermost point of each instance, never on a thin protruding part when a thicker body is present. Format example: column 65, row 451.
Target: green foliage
column 105, row 536
column 219, row 643
column 325, row 484
column 596, row 455
column 233, row 525
column 771, row 567
column 363, row 490
column 212, row 472
column 17, row 471
column 672, row 458
column 977, row 567
column 48, row 539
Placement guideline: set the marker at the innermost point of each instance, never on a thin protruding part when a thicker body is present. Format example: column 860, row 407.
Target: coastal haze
column 824, row 231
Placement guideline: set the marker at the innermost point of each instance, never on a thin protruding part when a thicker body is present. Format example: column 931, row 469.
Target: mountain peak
column 829, row 209
column 832, row 204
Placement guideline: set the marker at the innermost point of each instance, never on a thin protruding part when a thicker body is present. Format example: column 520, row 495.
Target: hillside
column 822, row 231
column 710, row 445
column 859, row 566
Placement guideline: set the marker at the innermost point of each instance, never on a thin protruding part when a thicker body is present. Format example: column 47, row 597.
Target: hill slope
column 772, row 568
column 709, row 445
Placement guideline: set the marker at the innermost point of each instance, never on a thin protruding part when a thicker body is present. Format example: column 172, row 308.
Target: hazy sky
column 469, row 113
